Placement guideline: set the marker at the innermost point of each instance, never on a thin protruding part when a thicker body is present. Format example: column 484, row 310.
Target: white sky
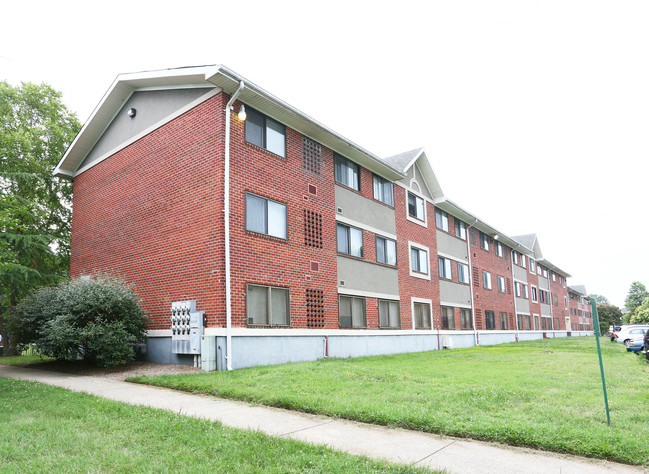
column 534, row 114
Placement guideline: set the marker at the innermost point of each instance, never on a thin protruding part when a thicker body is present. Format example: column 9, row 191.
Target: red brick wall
column 151, row 214
column 410, row 286
column 491, row 300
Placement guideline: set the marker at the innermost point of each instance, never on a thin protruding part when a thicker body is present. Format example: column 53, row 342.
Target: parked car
column 611, row 330
column 627, row 332
column 635, row 344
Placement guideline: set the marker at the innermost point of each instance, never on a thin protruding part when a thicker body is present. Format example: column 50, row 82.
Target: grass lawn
column 24, row 360
column 543, row 394
column 49, row 429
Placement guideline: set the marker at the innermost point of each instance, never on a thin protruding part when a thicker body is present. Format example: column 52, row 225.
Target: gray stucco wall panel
column 522, row 306
column 450, row 245
column 366, row 211
column 450, row 292
column 366, row 276
column 520, row 273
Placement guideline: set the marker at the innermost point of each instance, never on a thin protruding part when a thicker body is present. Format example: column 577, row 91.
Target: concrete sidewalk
column 395, row 445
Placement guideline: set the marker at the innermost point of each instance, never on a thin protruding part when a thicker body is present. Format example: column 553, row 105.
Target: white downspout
column 511, row 262
column 226, row 214
column 468, row 248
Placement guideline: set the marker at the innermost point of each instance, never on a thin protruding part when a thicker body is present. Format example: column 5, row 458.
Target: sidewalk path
column 395, row 445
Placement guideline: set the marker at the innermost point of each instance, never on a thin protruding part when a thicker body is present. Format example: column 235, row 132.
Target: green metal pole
column 593, row 305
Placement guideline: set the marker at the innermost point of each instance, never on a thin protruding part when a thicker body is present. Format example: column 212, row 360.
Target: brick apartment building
column 296, row 243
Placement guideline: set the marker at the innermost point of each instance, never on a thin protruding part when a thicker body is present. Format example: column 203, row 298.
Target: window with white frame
column 535, row 296
column 267, row 305
column 441, row 220
column 465, row 319
column 484, row 241
column 389, row 314
column 499, row 249
column 416, row 207
column 460, row 228
column 448, row 317
column 462, row 272
column 265, row 216
column 501, row 284
column 539, row 270
column 383, row 190
column 520, row 289
column 351, row 311
column 265, row 132
column 545, row 272
column 565, row 302
column 386, row 251
column 523, row 261
column 421, row 314
column 419, row 260
column 554, row 276
column 349, row 240
column 532, row 266
column 346, row 172
column 445, row 268
column 515, row 256
column 486, row 280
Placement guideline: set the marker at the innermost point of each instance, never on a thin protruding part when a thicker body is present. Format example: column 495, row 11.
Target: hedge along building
column 296, row 243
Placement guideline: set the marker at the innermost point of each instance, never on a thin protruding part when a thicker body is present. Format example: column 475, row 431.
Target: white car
column 628, row 332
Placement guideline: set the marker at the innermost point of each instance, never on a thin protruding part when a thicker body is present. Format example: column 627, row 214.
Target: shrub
column 98, row 320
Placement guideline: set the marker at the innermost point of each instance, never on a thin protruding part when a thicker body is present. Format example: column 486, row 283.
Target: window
column 448, row 318
column 523, row 261
column 267, row 305
column 565, row 302
column 499, row 249
column 520, row 290
column 416, row 207
column 445, row 268
column 486, row 280
column 535, row 296
column 532, row 266
column 545, row 296
column 460, row 229
column 351, row 311
column 462, row 272
column 422, row 315
column 545, row 272
column 528, row 324
column 554, row 276
column 350, row 240
column 418, row 260
column 265, row 216
column 501, row 284
column 519, row 321
column 389, row 314
column 346, row 172
column 504, row 323
column 484, row 241
column 537, row 322
column 490, row 320
column 466, row 319
column 265, row 132
column 515, row 257
column 386, row 251
column 441, row 220
column 383, row 190
column 556, row 300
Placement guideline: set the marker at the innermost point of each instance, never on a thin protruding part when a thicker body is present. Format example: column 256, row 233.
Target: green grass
column 24, row 360
column 543, row 394
column 49, row 429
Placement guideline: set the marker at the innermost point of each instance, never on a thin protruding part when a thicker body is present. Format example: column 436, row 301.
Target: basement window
column 267, row 305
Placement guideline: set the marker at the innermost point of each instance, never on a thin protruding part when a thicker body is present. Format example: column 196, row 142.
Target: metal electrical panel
column 186, row 328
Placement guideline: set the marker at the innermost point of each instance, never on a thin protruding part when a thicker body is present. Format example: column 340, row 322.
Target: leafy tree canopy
column 608, row 315
column 35, row 207
column 636, row 296
column 641, row 314
column 599, row 299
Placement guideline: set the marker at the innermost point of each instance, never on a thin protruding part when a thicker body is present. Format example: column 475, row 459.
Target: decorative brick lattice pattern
column 315, row 308
column 312, row 229
column 311, row 156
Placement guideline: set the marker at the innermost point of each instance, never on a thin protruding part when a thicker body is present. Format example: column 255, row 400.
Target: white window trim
column 491, row 282
column 498, row 279
column 414, row 300
column 423, row 223
column 532, row 293
column 413, row 273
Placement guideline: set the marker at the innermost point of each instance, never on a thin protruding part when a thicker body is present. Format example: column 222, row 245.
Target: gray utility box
column 186, row 328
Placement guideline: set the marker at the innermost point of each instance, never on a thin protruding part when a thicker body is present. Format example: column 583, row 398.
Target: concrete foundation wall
column 250, row 351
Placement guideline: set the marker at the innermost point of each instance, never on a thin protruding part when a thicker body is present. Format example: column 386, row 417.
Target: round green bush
column 99, row 320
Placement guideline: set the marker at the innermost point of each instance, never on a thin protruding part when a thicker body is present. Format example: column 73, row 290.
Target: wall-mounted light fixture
column 242, row 113
column 131, row 112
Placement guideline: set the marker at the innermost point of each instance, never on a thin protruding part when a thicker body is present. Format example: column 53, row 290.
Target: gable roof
column 228, row 81
column 581, row 289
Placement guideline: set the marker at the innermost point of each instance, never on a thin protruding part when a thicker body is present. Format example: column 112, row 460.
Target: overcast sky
column 534, row 114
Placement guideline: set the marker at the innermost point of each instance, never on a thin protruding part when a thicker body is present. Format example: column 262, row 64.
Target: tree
column 637, row 294
column 35, row 207
column 599, row 299
column 608, row 315
column 641, row 314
